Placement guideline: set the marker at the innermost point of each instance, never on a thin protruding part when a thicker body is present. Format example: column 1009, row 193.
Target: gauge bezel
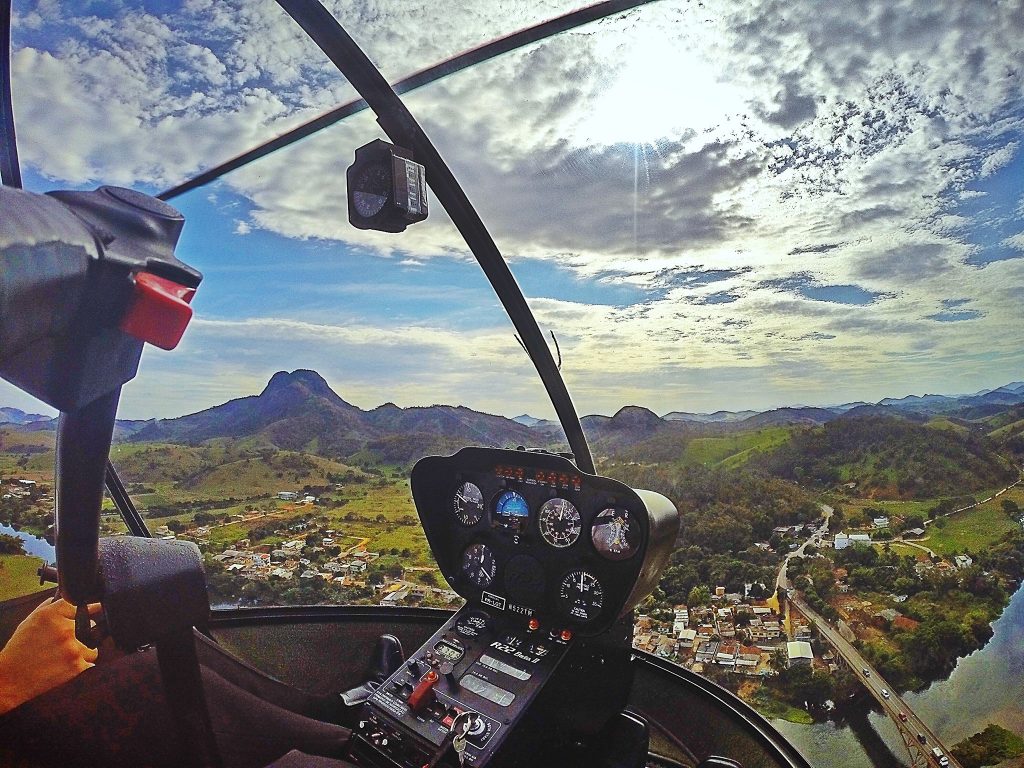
column 540, row 522
column 634, row 546
column 455, row 504
column 561, row 601
column 466, row 575
column 514, row 523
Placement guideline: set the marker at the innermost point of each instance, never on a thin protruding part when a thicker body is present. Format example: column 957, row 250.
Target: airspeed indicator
column 468, row 503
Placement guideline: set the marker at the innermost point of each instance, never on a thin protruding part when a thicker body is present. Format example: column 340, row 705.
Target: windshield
column 779, row 251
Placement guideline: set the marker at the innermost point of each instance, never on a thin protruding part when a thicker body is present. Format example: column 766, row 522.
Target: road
column 892, row 704
column 912, row 729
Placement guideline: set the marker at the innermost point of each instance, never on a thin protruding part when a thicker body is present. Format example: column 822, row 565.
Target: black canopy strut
column 401, row 127
column 462, row 61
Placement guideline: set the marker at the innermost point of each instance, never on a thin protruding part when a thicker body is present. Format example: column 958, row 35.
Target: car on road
column 903, row 716
column 885, row 694
column 941, row 758
column 921, row 738
column 866, row 672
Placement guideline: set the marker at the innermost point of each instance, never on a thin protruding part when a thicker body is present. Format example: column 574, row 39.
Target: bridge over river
column 917, row 736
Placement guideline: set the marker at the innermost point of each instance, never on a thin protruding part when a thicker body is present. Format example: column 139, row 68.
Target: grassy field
column 18, row 576
column 732, row 450
column 769, row 706
column 974, row 529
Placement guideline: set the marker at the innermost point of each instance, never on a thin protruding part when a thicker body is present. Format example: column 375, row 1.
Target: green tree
column 699, row 595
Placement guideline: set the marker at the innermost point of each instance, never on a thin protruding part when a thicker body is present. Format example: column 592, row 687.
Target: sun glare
column 656, row 91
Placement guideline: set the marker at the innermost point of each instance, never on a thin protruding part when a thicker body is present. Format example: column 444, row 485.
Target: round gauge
column 473, row 624
column 615, row 533
column 580, row 596
column 469, row 504
column 511, row 510
column 559, row 523
column 479, row 565
column 371, row 190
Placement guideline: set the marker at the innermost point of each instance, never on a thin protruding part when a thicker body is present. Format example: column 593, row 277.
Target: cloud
column 803, row 211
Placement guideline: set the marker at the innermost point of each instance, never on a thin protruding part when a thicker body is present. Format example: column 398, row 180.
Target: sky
column 713, row 205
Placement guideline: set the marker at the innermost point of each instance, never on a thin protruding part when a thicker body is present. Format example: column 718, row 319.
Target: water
column 33, row 544
column 984, row 688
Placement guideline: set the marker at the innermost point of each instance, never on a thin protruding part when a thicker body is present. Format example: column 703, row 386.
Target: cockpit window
column 777, row 252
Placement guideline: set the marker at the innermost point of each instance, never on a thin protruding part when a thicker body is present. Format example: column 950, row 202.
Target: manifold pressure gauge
column 387, row 189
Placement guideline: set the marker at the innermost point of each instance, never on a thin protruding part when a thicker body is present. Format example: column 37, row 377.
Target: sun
column 654, row 89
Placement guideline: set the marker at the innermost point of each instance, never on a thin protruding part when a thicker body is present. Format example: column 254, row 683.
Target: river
column 33, row 544
column 984, row 688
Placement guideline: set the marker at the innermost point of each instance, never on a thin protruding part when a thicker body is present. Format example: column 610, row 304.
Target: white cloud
column 835, row 140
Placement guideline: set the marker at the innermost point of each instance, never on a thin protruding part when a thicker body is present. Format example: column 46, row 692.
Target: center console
column 549, row 560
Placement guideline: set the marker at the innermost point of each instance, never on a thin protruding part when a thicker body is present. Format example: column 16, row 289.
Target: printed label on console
column 495, row 601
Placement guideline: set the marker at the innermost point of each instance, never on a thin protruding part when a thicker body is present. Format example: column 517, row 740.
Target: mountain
column 298, row 411
column 527, row 420
column 890, row 457
column 18, row 416
column 718, row 417
column 781, row 416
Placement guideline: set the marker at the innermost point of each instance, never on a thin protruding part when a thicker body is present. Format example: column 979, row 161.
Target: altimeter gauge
column 559, row 522
column 479, row 565
column 580, row 596
column 468, row 503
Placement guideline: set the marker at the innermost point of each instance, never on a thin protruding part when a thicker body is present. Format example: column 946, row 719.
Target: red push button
column 566, row 635
column 159, row 311
column 534, row 625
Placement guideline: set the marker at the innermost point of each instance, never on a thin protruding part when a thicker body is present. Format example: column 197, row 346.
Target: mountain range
column 299, row 411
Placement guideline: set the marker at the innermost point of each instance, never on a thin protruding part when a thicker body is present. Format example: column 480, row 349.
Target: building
column 686, row 638
column 287, row 495
column 842, row 540
column 962, row 561
column 798, row 653
column 880, row 522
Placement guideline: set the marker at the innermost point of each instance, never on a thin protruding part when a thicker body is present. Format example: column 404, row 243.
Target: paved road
column 913, row 729
column 891, row 704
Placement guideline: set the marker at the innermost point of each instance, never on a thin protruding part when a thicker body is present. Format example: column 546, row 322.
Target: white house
column 799, row 652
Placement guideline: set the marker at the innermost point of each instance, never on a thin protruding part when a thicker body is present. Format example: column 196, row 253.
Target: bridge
column 917, row 736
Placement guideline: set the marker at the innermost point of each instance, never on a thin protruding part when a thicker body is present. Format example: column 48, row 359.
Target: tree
column 699, row 595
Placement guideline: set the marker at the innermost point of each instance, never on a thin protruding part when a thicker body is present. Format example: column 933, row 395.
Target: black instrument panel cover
column 529, row 570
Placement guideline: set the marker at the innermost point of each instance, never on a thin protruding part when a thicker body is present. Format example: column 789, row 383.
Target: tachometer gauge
column 479, row 565
column 559, row 522
column 511, row 511
column 615, row 533
column 580, row 596
column 469, row 504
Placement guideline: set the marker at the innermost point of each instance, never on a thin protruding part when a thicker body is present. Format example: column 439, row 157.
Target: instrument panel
column 528, row 533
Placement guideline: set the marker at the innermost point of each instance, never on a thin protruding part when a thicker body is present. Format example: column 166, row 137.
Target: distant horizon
column 30, row 405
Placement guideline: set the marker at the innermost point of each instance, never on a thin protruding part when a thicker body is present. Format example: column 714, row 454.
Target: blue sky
column 716, row 205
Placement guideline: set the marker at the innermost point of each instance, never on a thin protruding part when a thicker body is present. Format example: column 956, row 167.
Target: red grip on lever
column 159, row 310
column 423, row 692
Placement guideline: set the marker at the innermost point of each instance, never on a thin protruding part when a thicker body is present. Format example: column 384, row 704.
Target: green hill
column 890, row 458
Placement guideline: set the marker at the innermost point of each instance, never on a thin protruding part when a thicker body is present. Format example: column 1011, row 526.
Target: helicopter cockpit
column 549, row 557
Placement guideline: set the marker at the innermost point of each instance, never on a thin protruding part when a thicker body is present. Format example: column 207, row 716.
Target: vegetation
column 890, row 458
column 722, row 514
column 11, row 545
column 988, row 747
column 18, row 576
